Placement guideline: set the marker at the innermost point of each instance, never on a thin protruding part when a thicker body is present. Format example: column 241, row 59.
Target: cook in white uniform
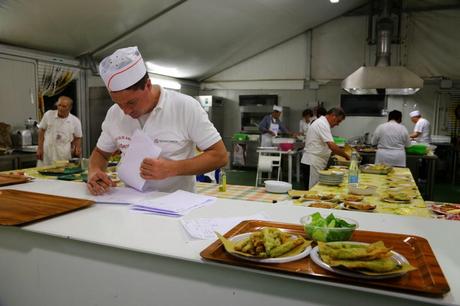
column 391, row 139
column 305, row 122
column 271, row 125
column 175, row 122
column 319, row 144
column 59, row 134
column 421, row 131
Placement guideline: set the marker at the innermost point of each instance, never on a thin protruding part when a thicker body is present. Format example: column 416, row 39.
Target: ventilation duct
column 383, row 78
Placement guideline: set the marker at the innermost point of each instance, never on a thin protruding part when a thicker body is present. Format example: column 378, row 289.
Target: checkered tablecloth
column 239, row 192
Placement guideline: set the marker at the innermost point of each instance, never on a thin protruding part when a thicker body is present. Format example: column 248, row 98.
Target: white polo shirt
column 316, row 151
column 177, row 124
column 423, row 126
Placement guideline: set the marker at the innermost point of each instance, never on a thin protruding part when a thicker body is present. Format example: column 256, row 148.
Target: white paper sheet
column 140, row 147
column 205, row 228
column 124, row 195
column 177, row 203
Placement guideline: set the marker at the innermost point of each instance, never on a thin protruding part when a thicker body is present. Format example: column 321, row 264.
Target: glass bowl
column 328, row 234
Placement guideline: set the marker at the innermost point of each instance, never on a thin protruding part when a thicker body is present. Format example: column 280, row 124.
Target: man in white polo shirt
column 175, row 122
column 319, row 144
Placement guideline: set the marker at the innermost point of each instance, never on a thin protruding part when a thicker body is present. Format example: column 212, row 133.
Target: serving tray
column 10, row 179
column 427, row 280
column 20, row 207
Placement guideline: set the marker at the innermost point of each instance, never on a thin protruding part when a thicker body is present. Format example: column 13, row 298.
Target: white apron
column 57, row 145
column 267, row 138
column 396, row 158
column 316, row 165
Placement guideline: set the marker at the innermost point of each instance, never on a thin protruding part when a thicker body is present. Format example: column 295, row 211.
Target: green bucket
column 418, row 149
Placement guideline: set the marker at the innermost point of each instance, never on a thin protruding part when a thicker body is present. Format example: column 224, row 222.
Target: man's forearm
column 98, row 160
column 337, row 150
column 213, row 158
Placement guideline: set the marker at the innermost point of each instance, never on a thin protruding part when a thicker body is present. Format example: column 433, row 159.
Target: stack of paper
column 175, row 204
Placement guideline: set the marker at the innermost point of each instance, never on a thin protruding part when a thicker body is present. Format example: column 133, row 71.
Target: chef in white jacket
column 391, row 139
column 319, row 144
column 421, row 131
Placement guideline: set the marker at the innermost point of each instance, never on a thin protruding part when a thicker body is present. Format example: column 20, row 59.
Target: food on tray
column 330, row 228
column 376, row 168
column 362, row 189
column 353, row 198
column 296, row 194
column 319, row 196
column 269, row 242
column 362, row 206
column 396, row 197
column 323, row 204
column 366, row 258
column 447, row 209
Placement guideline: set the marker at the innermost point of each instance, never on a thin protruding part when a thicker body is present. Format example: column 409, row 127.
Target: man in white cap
column 421, row 131
column 271, row 125
column 175, row 122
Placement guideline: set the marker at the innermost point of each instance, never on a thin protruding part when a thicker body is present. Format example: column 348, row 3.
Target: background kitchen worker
column 319, row 144
column 59, row 134
column 271, row 126
column 305, row 122
column 391, row 139
column 421, row 131
column 174, row 121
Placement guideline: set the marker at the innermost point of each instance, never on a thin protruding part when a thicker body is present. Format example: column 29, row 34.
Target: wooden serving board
column 427, row 280
column 10, row 179
column 20, row 207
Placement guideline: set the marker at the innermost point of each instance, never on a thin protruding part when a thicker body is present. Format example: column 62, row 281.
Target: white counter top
column 116, row 226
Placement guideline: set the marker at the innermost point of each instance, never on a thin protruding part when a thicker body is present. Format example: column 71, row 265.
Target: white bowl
column 277, row 186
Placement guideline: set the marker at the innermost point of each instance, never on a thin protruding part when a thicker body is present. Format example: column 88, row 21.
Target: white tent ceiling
column 193, row 38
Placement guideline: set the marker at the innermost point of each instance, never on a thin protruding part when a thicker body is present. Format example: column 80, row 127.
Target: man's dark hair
column 321, row 111
column 337, row 111
column 308, row 112
column 139, row 85
column 395, row 115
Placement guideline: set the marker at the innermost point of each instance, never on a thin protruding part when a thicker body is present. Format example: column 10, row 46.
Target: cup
column 84, row 164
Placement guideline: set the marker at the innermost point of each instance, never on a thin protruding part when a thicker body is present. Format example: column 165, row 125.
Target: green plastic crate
column 240, row 136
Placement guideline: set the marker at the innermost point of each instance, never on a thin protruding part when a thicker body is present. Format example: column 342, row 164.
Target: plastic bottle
column 353, row 172
column 222, row 181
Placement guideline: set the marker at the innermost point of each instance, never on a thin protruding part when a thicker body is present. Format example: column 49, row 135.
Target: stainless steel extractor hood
column 383, row 78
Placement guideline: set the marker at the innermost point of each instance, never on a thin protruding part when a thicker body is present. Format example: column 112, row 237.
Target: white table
column 297, row 153
column 108, row 255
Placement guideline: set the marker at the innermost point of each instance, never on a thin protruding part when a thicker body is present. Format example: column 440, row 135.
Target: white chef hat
column 125, row 67
column 277, row 108
column 414, row 113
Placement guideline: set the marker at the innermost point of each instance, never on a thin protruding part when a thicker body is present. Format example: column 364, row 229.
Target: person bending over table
column 174, row 121
column 319, row 144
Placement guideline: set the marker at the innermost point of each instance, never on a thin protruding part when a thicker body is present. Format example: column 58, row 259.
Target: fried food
column 375, row 257
column 352, row 198
column 323, row 204
column 268, row 242
column 358, row 206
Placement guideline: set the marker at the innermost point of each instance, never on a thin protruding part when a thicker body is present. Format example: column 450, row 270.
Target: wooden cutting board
column 10, row 179
column 19, row 207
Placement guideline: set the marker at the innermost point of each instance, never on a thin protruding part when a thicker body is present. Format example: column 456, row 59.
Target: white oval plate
column 314, row 255
column 240, row 237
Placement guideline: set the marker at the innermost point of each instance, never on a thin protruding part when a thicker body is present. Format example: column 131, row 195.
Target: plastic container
column 418, row 149
column 339, row 140
column 328, row 234
column 286, row 146
column 222, row 181
column 277, row 186
column 240, row 136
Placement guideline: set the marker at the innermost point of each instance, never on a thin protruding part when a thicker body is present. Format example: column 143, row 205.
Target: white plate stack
column 331, row 178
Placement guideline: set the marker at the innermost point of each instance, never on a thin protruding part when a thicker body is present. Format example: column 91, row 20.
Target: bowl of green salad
column 329, row 228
